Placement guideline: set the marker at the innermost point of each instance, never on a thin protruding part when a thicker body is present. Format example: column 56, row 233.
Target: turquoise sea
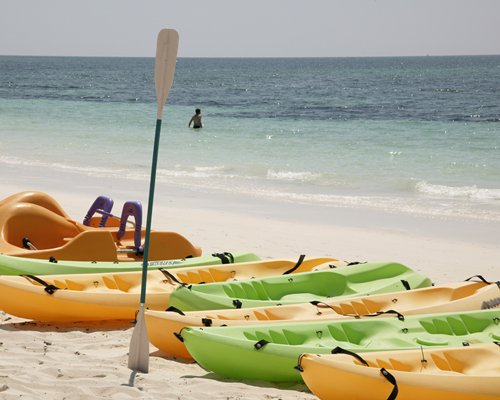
column 418, row 135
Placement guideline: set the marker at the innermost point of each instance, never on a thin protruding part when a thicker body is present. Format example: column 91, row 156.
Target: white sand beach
column 49, row 361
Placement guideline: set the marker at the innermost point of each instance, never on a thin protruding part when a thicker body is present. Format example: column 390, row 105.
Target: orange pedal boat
column 34, row 225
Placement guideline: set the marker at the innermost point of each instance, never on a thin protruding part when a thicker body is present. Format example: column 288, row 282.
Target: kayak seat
column 322, row 284
column 465, row 291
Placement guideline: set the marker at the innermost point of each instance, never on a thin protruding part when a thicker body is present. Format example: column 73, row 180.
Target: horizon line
column 257, row 57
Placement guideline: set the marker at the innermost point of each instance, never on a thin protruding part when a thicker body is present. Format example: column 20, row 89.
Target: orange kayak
column 460, row 373
column 461, row 296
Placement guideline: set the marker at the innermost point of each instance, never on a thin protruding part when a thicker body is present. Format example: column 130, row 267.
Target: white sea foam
column 196, row 173
column 292, row 176
column 211, row 168
column 391, row 204
column 93, row 171
column 20, row 161
column 440, row 200
column 469, row 192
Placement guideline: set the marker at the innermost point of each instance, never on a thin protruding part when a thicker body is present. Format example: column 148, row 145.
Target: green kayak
column 30, row 266
column 355, row 280
column 270, row 352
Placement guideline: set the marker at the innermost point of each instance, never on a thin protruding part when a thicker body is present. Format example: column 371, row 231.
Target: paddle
column 166, row 57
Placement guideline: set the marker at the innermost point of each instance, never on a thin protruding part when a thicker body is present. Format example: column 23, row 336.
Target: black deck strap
column 318, row 304
column 497, row 343
column 260, row 344
column 297, row 265
column 400, row 316
column 355, row 263
column 230, row 256
column 175, row 309
column 225, row 257
column 406, row 284
column 179, row 336
column 50, row 289
column 170, row 276
column 481, row 278
column 134, row 322
column 298, row 367
column 206, row 321
column 237, row 303
column 390, row 378
column 340, row 350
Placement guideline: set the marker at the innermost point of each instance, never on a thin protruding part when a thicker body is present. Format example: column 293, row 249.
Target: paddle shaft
column 152, row 182
column 166, row 56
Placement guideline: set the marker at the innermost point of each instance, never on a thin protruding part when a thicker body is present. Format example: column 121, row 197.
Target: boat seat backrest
column 44, row 228
column 38, row 198
column 168, row 245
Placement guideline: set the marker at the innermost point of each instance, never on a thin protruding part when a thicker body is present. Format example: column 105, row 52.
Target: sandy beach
column 48, row 361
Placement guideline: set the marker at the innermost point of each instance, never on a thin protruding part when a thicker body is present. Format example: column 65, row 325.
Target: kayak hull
column 270, row 352
column 105, row 296
column 462, row 296
column 462, row 373
column 355, row 280
column 18, row 266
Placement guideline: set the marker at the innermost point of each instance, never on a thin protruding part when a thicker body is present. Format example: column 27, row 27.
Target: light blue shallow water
column 416, row 135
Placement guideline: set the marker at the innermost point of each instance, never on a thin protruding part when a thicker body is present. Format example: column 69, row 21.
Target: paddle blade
column 166, row 58
column 138, row 358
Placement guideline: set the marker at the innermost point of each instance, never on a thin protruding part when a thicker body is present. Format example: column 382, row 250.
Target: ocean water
column 417, row 135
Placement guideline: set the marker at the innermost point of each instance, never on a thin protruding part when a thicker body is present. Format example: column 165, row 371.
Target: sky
column 251, row 28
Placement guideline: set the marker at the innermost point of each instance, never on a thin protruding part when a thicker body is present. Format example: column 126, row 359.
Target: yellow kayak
column 92, row 297
column 463, row 373
column 34, row 225
column 461, row 296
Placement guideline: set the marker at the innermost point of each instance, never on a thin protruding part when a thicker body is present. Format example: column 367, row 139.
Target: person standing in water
column 196, row 119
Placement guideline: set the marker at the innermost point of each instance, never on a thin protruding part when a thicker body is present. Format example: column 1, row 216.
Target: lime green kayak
column 355, row 280
column 20, row 266
column 271, row 351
